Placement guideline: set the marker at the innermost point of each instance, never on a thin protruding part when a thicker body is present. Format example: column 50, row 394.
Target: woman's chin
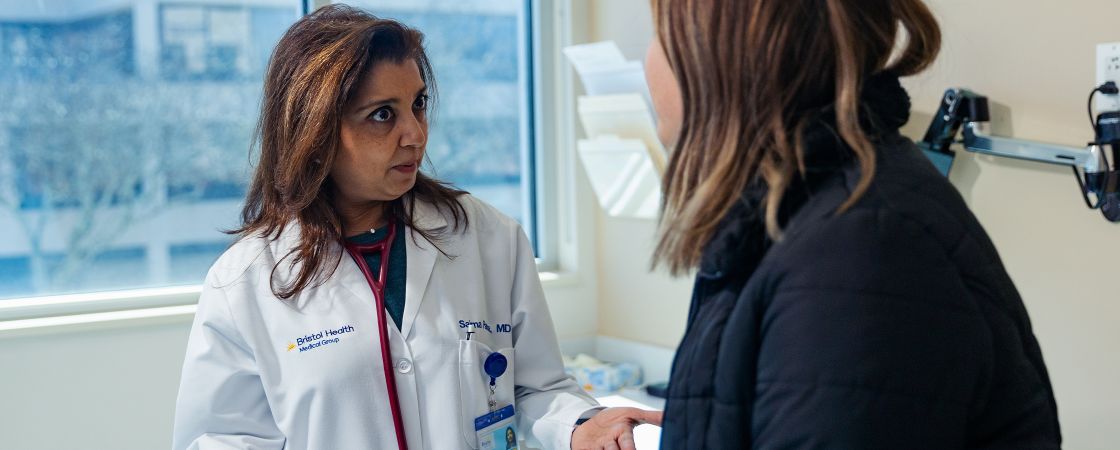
column 399, row 189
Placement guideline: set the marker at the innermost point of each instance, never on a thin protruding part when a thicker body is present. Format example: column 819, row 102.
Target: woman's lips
column 406, row 168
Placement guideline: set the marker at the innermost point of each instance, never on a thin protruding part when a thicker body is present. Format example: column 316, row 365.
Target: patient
column 845, row 296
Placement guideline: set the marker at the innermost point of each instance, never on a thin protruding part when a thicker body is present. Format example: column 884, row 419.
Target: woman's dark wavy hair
column 315, row 69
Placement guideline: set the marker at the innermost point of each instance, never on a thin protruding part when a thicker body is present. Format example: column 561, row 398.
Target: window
column 124, row 128
column 124, row 132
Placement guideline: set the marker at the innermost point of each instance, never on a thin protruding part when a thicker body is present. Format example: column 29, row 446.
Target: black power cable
column 1108, row 88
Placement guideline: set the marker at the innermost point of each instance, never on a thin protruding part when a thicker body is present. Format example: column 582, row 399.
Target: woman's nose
column 415, row 130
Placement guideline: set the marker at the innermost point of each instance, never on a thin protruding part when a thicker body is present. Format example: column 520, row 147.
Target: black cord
column 1092, row 122
column 1085, row 193
column 1081, row 184
column 1108, row 88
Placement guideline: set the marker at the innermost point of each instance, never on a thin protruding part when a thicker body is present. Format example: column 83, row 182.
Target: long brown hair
column 315, row 69
column 751, row 73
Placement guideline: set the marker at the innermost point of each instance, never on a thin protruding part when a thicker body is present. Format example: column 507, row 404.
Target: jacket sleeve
column 221, row 403
column 549, row 401
column 872, row 343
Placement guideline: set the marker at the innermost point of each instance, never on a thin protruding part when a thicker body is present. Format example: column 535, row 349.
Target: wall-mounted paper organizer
column 622, row 176
column 622, row 156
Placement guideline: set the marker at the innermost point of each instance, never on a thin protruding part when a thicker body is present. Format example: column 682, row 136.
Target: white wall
column 1037, row 58
column 91, row 387
column 113, row 386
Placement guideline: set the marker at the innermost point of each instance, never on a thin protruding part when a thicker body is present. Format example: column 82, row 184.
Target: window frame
column 553, row 181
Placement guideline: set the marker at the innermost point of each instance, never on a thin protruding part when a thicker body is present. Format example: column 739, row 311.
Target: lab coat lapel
column 421, row 260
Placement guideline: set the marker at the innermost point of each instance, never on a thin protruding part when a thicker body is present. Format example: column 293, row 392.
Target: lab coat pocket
column 474, row 385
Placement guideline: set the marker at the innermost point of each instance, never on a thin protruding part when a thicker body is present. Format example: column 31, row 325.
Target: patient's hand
column 612, row 429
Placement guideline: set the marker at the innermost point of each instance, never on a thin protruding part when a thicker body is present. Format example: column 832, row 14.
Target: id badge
column 497, row 430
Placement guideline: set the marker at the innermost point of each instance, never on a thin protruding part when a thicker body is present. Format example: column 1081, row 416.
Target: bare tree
column 88, row 173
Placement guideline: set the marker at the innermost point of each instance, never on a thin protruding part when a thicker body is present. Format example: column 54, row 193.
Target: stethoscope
column 378, row 287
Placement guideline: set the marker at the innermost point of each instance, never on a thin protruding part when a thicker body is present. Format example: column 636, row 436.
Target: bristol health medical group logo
column 319, row 339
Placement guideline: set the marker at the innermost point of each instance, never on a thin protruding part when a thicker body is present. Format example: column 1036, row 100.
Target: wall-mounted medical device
column 1095, row 166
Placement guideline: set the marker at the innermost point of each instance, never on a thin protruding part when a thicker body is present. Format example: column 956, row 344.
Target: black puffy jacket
column 893, row 325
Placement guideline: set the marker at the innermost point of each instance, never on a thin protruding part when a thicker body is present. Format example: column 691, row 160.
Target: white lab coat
column 244, row 387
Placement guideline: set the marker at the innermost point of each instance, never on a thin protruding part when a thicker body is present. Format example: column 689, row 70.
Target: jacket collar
column 741, row 241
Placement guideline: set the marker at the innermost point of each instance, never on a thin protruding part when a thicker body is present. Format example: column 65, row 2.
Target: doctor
column 366, row 305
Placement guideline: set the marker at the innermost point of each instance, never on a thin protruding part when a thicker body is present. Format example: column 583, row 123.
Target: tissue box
column 596, row 376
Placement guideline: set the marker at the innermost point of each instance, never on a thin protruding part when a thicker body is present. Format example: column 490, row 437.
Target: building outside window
column 125, row 128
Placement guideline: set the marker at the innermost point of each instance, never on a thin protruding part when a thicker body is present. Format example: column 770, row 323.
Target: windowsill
column 97, row 302
column 95, row 320
column 23, row 315
column 559, row 279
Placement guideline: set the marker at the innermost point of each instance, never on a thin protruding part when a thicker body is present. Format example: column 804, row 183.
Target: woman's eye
column 382, row 115
column 421, row 103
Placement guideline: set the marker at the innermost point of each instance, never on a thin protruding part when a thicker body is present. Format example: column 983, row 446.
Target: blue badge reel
column 496, row 430
column 495, row 365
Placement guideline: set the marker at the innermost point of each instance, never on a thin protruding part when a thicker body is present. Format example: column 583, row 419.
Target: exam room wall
column 1036, row 58
column 113, row 385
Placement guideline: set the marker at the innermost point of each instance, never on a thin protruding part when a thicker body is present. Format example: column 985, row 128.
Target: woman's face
column 666, row 94
column 384, row 133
